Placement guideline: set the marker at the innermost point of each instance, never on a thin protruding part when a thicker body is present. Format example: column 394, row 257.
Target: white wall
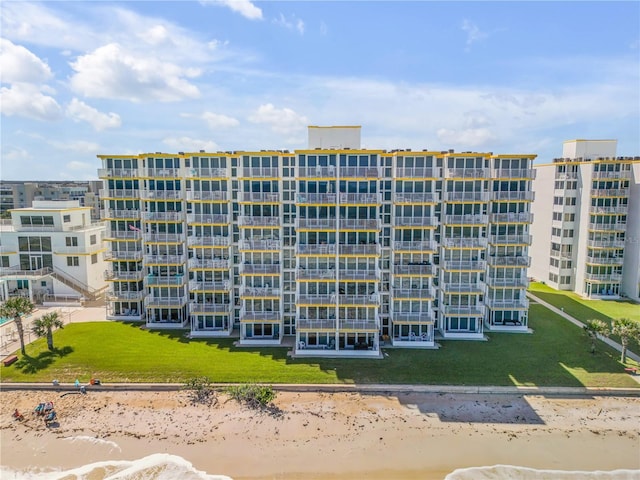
column 589, row 149
column 542, row 208
column 334, row 137
column 631, row 270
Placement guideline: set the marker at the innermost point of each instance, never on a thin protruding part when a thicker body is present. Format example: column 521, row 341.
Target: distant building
column 52, row 253
column 336, row 245
column 586, row 232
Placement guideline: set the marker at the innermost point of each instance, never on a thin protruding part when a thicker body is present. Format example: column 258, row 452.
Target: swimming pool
column 4, row 320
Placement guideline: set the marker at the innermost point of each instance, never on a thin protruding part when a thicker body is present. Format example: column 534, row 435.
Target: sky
column 86, row 78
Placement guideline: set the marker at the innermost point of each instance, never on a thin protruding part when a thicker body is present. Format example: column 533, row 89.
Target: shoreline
column 328, row 435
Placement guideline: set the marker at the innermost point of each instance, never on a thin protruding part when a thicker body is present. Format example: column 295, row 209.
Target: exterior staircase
column 89, row 293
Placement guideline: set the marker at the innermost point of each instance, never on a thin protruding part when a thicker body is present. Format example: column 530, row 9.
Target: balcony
column 364, row 325
column 195, row 172
column 465, row 197
column 522, row 217
column 260, row 316
column 507, row 304
column 316, row 249
column 360, row 198
column 259, row 245
column 259, row 197
column 314, row 224
column 316, row 300
column 117, row 172
column 427, row 246
column 259, row 269
column 209, row 219
column 416, row 222
column 163, row 281
column 509, row 261
column 359, row 224
column 198, row 196
column 420, row 270
column 416, row 198
column 465, row 173
column 464, row 242
column 415, row 294
column 423, row 318
column 464, row 265
column 504, row 282
column 470, row 219
column 119, row 214
column 169, row 302
column 125, row 296
column 502, row 196
column 204, row 308
column 359, row 172
column 510, row 239
column 258, row 221
column 134, row 255
column 162, row 194
column 214, row 241
column 316, row 172
column 315, row 324
column 123, row 276
column 603, row 277
column 210, row 263
column 597, row 260
column 372, row 300
column 610, row 192
column 372, row 250
column 316, row 198
column 609, row 244
column 462, row 288
column 464, row 310
column 560, row 254
column 164, row 259
column 315, row 274
column 119, row 193
column 608, row 227
column 258, row 172
column 163, row 216
column 259, row 292
column 515, row 173
column 417, row 172
column 355, row 275
column 566, row 176
column 114, row 235
column 163, row 237
column 608, row 210
column 620, row 174
column 213, row 287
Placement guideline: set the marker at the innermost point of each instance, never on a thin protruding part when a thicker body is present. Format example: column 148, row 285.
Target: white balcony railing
column 202, row 286
column 357, row 274
column 360, row 198
column 360, row 250
column 315, row 274
column 152, row 172
column 609, row 192
column 119, row 193
column 258, row 221
column 214, row 196
column 365, row 325
column 414, row 270
column 134, row 255
column 163, row 280
column 259, row 316
column 210, row 263
column 523, row 217
column 259, row 269
column 504, row 303
column 214, row 241
column 359, row 224
column 125, row 296
column 603, row 277
column 610, row 244
column 510, row 239
column 465, row 173
column 502, row 196
column 620, row 174
column 122, row 235
column 259, row 197
column 165, row 259
column 195, row 172
column 471, row 265
column 259, row 292
column 316, row 300
column 165, row 301
column 620, row 210
column 471, row 197
column 162, row 194
column 406, row 246
column 316, row 223
column 467, row 310
column 117, row 172
column 163, row 216
column 316, row 249
column 422, row 294
column 209, row 218
column 258, row 172
column 203, row 308
column 464, row 242
column 316, row 198
column 315, row 324
column 248, row 245
column 123, row 276
column 316, row 172
column 417, row 172
column 471, row 219
column 119, row 214
column 476, row 288
column 528, row 173
column 411, row 222
column 597, row 260
column 506, row 282
column 359, row 300
column 608, row 227
column 164, row 237
column 359, row 172
column 411, row 198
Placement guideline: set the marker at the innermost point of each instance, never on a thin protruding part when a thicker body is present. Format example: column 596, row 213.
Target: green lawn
column 557, row 354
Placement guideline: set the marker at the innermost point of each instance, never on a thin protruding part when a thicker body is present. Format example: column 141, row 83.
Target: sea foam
column 510, row 472
column 94, row 440
column 159, row 466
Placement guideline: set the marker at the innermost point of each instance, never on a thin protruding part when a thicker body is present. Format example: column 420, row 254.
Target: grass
column 557, row 354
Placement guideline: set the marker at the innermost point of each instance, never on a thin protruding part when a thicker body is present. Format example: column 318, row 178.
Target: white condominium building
column 339, row 246
column 586, row 237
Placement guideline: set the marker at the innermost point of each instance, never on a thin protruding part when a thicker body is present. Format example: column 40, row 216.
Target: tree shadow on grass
column 29, row 364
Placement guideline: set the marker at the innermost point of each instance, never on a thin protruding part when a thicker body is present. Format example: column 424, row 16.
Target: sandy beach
column 327, row 435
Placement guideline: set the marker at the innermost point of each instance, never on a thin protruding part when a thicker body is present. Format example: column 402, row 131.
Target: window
column 72, row 241
column 4, row 261
column 93, row 239
column 569, row 217
column 567, row 233
column 43, row 283
column 94, row 258
column 565, row 280
column 557, row 216
column 66, row 218
column 558, row 200
column 570, row 201
column 73, row 261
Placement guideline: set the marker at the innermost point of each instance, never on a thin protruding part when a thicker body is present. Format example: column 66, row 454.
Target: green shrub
column 201, row 391
column 252, row 395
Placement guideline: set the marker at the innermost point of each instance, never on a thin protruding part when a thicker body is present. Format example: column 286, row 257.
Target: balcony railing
column 316, row 172
column 510, row 239
column 603, row 277
column 357, row 300
column 471, row 219
column 259, row 292
column 359, row 172
column 566, row 176
column 200, row 308
column 316, row 300
column 248, row 245
column 124, row 276
column 164, row 259
column 209, row 219
column 611, row 244
column 356, row 274
column 423, row 246
column 465, row 173
column 465, row 196
column 119, row 214
column 423, row 318
column 122, row 235
column 620, row 174
column 462, row 288
column 117, row 172
column 195, row 172
column 595, row 260
column 316, row 223
column 470, row 265
column 467, row 310
column 259, row 197
column 502, row 196
column 163, row 216
column 264, row 316
column 135, row 255
column 361, row 325
column 165, row 301
column 315, row 274
column 152, row 172
column 315, row 324
column 315, row 249
column 66, row 250
column 609, row 210
column 119, row 193
column 125, row 296
column 161, row 280
column 411, row 198
column 609, row 192
column 422, row 294
column 360, row 198
column 214, row 196
column 509, row 261
column 560, row 254
column 464, row 242
column 258, row 221
column 417, row 172
column 316, row 198
column 609, row 227
column 359, row 224
column 416, row 222
column 259, row 269
column 504, row 282
column 210, row 263
column 215, row 241
column 523, row 217
column 414, row 270
column 258, row 172
column 528, row 173
column 360, row 250
column 164, row 237
column 202, row 286
column 162, row 194
column 515, row 304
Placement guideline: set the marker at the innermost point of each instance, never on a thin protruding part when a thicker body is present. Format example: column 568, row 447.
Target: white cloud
column 466, row 138
column 244, row 7
column 188, row 144
column 216, row 120
column 15, row 154
column 113, row 72
column 282, row 120
column 80, row 111
column 474, row 34
column 79, row 166
column 77, row 146
column 19, row 64
column 293, row 23
column 26, row 100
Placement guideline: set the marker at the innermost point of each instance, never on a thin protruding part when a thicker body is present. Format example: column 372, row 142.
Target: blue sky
column 87, row 78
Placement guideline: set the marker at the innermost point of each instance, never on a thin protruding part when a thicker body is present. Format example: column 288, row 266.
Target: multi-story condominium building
column 336, row 245
column 52, row 253
column 586, row 237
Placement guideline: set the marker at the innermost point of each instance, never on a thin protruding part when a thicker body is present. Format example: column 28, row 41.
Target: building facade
column 586, row 237
column 52, row 253
column 336, row 245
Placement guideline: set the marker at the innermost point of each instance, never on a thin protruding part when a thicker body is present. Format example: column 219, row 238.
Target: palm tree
column 16, row 308
column 627, row 330
column 593, row 328
column 45, row 325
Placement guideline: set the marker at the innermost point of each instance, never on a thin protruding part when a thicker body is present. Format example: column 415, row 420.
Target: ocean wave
column 510, row 472
column 159, row 466
column 94, row 440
